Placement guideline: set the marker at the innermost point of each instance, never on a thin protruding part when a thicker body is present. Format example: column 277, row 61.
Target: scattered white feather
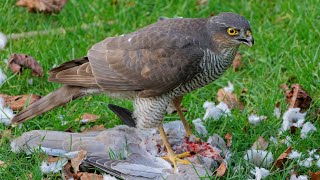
column 277, row 112
column 273, row 140
column 255, row 119
column 108, row 177
column 6, row 61
column 229, row 88
column 2, row 76
column 216, row 112
column 5, row 113
column 259, row 157
column 295, row 155
column 3, row 40
column 299, row 123
column 52, row 167
column 260, row 173
column 311, row 152
column 306, row 129
column 292, row 115
column 318, row 163
column 199, row 127
column 30, row 81
column 287, row 141
column 302, row 177
column 306, row 162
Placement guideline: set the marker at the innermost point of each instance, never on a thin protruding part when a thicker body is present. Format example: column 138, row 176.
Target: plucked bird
column 153, row 66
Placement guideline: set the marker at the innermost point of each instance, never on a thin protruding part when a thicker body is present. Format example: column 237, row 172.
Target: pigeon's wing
column 136, row 166
column 101, row 163
column 152, row 60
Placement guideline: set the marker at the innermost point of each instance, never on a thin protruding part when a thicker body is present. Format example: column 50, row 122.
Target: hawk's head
column 230, row 29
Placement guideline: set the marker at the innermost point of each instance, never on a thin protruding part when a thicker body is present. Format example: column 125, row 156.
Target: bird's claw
column 178, row 158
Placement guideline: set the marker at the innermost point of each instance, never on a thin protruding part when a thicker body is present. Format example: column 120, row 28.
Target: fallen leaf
column 236, row 62
column 297, row 97
column 67, row 171
column 16, row 61
column 282, row 159
column 75, row 162
column 2, row 164
column 48, row 6
column 202, row 2
column 5, row 136
column 221, row 170
column 228, row 137
column 229, row 98
column 260, row 144
column 52, row 159
column 30, row 177
column 18, row 102
column 89, row 118
column 94, row 128
column 315, row 176
column 90, row 176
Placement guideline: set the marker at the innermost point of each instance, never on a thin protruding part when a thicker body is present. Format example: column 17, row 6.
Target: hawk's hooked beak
column 249, row 41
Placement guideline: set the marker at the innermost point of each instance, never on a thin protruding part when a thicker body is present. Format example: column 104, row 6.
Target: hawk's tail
column 54, row 99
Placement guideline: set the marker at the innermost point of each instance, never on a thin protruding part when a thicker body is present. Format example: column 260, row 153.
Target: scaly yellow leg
column 177, row 102
column 171, row 155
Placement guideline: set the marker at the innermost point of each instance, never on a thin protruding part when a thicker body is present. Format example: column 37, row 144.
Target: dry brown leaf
column 282, row 159
column 5, row 136
column 236, row 64
column 94, row 128
column 17, row 61
column 75, row 162
column 18, row 102
column 52, row 159
column 90, row 176
column 315, row 176
column 260, row 144
column 29, row 175
column 47, row 6
column 89, row 117
column 230, row 99
column 2, row 164
column 228, row 137
column 67, row 171
column 221, row 170
column 202, row 2
column 297, row 97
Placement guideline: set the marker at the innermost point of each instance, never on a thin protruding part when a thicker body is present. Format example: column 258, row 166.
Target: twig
column 15, row 36
column 296, row 88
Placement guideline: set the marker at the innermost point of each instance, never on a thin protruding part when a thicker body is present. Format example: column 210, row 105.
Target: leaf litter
column 47, row 6
column 17, row 61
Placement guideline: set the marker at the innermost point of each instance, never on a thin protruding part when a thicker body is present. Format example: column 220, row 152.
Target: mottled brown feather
column 73, row 73
column 153, row 60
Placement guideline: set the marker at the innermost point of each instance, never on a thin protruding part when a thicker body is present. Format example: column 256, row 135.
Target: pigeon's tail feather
column 124, row 114
column 54, row 99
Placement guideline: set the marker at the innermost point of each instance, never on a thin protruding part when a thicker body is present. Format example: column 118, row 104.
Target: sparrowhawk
column 152, row 66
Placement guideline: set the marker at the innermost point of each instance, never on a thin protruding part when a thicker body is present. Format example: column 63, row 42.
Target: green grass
column 286, row 50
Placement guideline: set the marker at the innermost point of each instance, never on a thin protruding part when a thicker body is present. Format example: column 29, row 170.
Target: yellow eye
column 232, row 31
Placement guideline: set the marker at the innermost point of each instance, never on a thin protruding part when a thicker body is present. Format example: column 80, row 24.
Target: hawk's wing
column 149, row 60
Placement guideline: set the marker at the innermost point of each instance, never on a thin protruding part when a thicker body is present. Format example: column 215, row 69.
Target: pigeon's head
column 230, row 29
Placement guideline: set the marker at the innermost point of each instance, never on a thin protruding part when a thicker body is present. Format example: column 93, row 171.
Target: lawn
column 286, row 50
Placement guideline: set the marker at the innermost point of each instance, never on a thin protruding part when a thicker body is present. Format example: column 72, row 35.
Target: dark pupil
column 231, row 31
